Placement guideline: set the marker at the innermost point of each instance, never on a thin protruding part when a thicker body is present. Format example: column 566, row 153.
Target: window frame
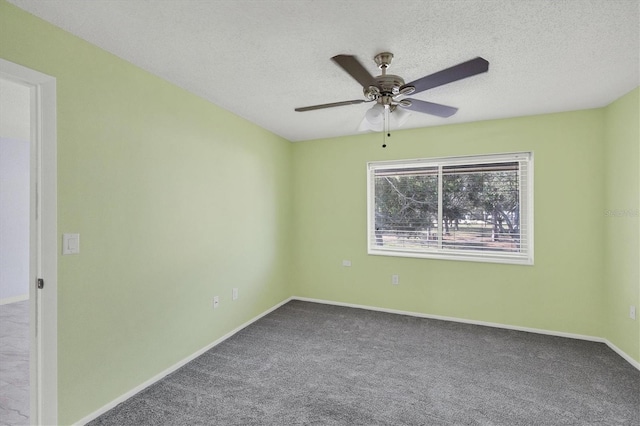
column 526, row 209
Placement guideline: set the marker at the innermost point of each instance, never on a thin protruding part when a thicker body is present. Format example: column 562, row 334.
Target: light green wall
column 561, row 292
column 622, row 222
column 175, row 199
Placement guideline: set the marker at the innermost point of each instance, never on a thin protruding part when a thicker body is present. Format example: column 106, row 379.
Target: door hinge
column 40, row 283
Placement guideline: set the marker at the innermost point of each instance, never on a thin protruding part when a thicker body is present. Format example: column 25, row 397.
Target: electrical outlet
column 216, row 302
column 632, row 312
column 234, row 294
column 395, row 279
column 346, row 263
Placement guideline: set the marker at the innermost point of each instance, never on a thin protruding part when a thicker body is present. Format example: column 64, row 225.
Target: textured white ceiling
column 262, row 58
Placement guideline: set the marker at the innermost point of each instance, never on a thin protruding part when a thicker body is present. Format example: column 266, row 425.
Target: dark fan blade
column 431, row 108
column 449, row 75
column 355, row 69
column 331, row 105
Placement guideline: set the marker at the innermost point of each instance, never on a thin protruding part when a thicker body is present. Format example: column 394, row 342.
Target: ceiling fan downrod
column 385, row 86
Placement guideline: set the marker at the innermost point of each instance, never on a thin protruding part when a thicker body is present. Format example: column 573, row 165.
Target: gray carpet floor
column 314, row 364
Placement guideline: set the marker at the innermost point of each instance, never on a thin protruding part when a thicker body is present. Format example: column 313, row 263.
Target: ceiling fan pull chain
column 385, row 126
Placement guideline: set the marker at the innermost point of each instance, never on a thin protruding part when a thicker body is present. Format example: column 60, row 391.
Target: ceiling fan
column 389, row 91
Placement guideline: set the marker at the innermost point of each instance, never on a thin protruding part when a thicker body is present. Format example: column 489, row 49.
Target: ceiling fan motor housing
column 386, row 85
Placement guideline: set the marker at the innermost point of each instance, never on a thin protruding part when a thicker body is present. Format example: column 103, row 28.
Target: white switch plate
column 395, row 279
column 346, row 263
column 70, row 243
column 632, row 312
column 234, row 294
column 216, row 302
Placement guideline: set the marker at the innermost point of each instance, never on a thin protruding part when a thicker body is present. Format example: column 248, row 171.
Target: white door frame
column 43, row 246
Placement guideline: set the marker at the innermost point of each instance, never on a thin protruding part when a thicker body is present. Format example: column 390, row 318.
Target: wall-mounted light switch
column 632, row 312
column 346, row 263
column 70, row 243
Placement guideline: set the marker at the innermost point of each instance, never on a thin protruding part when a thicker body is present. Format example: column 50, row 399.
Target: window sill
column 466, row 257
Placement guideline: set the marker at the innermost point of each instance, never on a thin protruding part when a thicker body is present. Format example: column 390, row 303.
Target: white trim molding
column 196, row 354
column 173, row 368
column 622, row 353
column 613, row 347
column 43, row 240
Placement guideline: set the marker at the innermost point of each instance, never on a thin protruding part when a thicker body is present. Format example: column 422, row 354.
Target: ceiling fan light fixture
column 365, row 125
column 400, row 116
column 374, row 115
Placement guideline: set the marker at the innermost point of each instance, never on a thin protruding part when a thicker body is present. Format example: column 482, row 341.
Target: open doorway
column 15, row 135
column 28, row 247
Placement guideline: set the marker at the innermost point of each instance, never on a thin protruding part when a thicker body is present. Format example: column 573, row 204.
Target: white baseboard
column 619, row 351
column 193, row 356
column 173, row 368
column 13, row 299
column 622, row 353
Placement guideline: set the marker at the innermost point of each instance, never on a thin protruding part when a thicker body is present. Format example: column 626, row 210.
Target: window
column 476, row 208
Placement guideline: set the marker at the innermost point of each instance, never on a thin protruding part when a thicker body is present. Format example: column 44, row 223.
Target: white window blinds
column 466, row 208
